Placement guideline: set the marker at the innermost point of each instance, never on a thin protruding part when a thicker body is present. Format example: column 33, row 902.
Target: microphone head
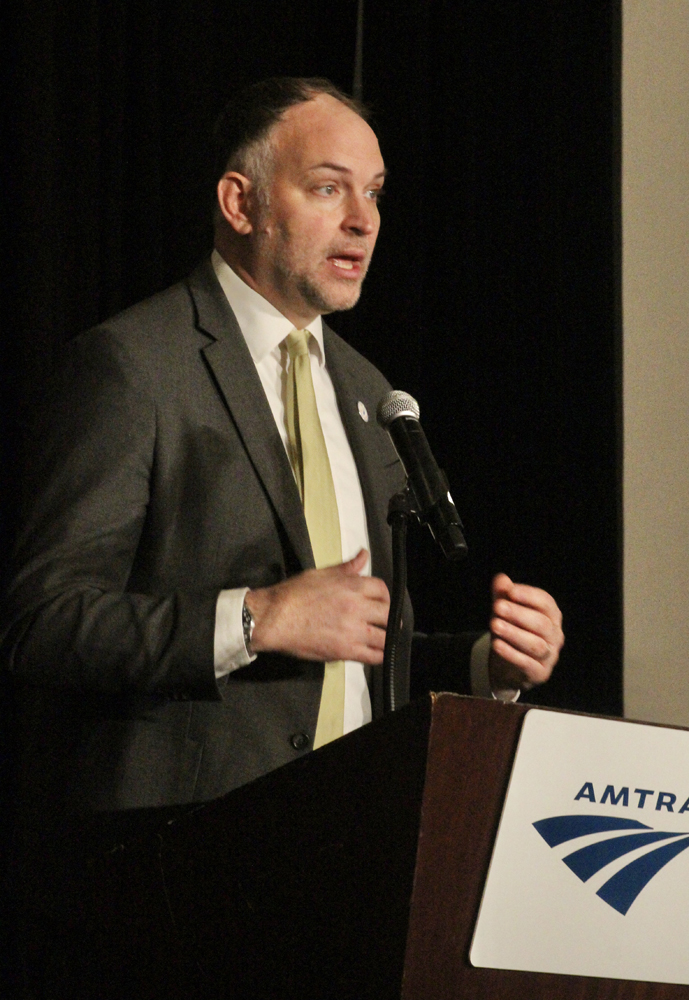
column 396, row 404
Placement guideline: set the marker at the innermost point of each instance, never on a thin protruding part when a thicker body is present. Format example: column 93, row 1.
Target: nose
column 361, row 217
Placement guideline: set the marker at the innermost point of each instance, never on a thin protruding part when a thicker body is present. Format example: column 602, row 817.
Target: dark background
column 494, row 293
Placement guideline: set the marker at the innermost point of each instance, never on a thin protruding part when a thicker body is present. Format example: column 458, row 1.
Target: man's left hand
column 527, row 635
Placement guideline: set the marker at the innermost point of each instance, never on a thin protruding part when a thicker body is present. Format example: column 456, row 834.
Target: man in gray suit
column 166, row 625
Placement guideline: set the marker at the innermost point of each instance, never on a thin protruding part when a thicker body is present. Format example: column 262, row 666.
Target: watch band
column 248, row 624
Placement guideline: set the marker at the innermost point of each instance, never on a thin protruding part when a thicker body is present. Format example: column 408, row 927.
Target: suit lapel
column 237, row 380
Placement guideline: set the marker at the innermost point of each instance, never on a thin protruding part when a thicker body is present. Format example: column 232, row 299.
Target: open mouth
column 350, row 264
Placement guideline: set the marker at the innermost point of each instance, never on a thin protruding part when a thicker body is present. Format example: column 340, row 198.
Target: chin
column 329, row 301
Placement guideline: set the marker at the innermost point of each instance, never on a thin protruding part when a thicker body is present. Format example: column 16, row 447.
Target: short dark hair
column 253, row 111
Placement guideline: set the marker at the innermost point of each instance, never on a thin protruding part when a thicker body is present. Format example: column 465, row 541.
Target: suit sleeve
column 441, row 662
column 71, row 618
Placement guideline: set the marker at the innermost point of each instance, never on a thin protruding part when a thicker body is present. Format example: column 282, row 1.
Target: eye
column 327, row 189
column 375, row 194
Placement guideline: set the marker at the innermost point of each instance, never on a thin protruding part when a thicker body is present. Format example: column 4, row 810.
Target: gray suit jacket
column 160, row 480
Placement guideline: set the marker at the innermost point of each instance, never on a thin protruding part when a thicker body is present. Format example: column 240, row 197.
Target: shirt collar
column 262, row 325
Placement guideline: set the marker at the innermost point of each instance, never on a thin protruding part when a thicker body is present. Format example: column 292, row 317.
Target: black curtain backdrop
column 493, row 297
column 494, row 300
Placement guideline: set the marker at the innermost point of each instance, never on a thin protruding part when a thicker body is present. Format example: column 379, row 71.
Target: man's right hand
column 323, row 614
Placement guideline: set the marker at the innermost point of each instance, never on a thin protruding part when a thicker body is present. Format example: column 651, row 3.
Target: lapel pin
column 363, row 412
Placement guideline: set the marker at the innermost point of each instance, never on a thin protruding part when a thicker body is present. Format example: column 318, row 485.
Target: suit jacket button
column 299, row 741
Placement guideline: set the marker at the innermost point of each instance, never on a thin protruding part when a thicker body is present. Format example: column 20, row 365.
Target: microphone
column 398, row 413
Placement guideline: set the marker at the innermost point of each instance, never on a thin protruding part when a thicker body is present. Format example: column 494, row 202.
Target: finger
column 536, row 646
column 502, row 586
column 364, row 588
column 375, row 637
column 520, row 665
column 372, row 648
column 376, row 614
column 366, row 654
column 354, row 566
column 521, row 593
column 534, row 597
column 375, row 589
column 525, row 618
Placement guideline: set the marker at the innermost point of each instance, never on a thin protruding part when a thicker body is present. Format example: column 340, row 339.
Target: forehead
column 324, row 130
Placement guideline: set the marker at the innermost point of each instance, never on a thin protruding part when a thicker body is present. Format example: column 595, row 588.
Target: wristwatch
column 248, row 625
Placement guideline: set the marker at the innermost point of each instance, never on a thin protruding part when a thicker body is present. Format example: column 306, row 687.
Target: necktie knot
column 298, row 343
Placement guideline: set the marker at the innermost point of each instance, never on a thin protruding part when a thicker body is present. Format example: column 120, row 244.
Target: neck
column 242, row 266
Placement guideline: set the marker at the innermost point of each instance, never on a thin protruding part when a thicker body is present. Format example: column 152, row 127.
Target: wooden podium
column 356, row 872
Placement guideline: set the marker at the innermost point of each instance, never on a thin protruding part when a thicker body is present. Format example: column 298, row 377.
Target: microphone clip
column 402, row 506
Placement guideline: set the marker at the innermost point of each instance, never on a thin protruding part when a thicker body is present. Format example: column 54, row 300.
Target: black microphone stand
column 400, row 512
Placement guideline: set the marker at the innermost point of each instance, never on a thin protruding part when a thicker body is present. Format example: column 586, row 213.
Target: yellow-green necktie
column 314, row 479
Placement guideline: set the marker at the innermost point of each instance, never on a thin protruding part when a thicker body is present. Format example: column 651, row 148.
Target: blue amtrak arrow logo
column 621, row 890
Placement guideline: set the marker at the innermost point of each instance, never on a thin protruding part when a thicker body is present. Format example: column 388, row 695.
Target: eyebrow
column 342, row 169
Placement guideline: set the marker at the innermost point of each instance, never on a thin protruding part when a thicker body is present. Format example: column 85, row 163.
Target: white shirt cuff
column 480, row 677
column 229, row 648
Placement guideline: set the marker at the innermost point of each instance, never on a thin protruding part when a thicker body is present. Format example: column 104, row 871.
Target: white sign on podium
column 590, row 869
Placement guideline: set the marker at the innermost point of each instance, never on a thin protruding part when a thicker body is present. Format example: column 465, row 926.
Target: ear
column 234, row 199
